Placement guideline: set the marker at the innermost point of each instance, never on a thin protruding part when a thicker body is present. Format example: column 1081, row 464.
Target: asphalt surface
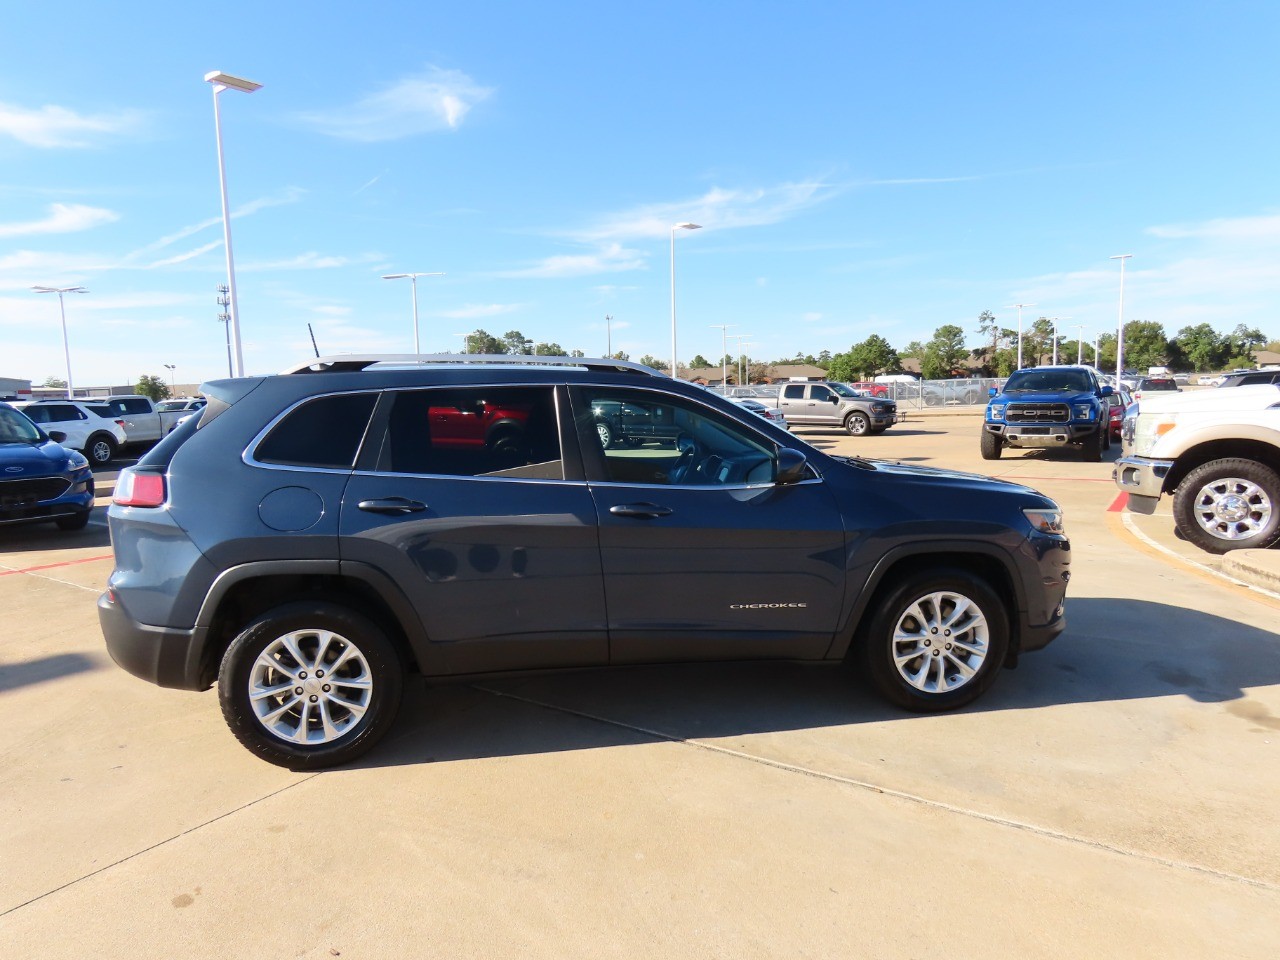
column 1113, row 796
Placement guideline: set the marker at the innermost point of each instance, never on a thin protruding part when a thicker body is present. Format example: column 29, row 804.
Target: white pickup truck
column 144, row 421
column 1218, row 453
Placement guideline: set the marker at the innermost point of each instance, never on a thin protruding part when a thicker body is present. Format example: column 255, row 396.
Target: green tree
column 549, row 350
column 1037, row 343
column 824, row 359
column 873, row 355
column 1201, row 347
column 620, row 355
column 54, row 382
column 1241, row 344
column 153, row 387
column 1145, row 344
column 515, row 343
column 942, row 355
column 697, row 363
column 481, row 341
column 652, row 361
column 913, row 349
column 576, row 353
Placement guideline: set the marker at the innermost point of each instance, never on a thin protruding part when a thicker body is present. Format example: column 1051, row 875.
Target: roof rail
column 352, row 363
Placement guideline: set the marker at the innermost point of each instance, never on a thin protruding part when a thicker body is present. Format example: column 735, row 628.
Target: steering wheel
column 684, row 471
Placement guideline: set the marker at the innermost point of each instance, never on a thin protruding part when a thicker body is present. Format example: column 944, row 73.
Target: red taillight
column 139, row 489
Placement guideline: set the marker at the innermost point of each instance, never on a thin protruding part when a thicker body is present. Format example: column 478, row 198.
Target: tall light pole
column 675, row 369
column 225, row 81
column 1122, row 257
column 1079, row 329
column 1019, row 306
column 724, row 351
column 66, row 350
column 608, row 335
column 413, row 282
column 172, row 367
column 1055, row 338
column 742, row 339
column 466, row 341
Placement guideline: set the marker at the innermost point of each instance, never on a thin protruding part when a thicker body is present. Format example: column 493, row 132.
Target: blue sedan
column 41, row 480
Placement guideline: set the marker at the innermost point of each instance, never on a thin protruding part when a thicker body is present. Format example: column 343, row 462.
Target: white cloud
column 183, row 257
column 611, row 258
column 290, row 195
column 474, row 310
column 1266, row 227
column 717, row 209
column 62, row 218
column 308, row 261
column 811, row 317
column 52, row 126
column 434, row 100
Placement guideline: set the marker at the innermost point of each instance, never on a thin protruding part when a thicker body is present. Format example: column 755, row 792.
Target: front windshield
column 168, row 405
column 844, row 391
column 1049, row 380
column 15, row 428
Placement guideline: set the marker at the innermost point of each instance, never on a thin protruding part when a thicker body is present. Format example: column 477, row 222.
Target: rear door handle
column 395, row 505
column 646, row 511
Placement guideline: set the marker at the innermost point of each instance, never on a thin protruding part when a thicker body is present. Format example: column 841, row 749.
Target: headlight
column 1084, row 411
column 76, row 461
column 1045, row 521
column 995, row 411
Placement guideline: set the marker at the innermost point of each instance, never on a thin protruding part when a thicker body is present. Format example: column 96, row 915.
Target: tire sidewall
column 877, row 643
column 385, row 666
column 857, row 424
column 91, row 450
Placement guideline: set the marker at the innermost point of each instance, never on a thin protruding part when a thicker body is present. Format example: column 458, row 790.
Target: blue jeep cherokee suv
column 312, row 536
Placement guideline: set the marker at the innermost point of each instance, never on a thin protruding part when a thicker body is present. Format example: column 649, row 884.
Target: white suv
column 95, row 436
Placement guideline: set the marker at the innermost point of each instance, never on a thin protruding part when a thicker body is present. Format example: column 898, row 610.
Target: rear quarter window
column 324, row 432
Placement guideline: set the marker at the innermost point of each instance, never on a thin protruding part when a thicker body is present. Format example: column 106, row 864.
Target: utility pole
column 724, row 351
column 608, row 333
column 1019, row 306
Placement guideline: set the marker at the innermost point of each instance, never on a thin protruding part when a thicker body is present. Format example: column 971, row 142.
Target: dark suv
column 312, row 536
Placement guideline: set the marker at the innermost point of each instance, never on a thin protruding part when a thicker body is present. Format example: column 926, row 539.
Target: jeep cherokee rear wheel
column 310, row 685
column 937, row 641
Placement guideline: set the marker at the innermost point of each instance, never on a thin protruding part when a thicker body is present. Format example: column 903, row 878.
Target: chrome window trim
column 462, row 476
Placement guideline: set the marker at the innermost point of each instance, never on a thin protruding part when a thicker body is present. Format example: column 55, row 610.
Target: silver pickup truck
column 144, row 422
column 826, row 404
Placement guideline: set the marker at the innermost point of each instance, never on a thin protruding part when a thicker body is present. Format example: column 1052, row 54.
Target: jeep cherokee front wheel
column 310, row 685
column 937, row 641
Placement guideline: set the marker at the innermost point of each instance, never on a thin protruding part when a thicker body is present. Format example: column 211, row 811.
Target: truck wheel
column 1092, row 447
column 100, row 449
column 937, row 641
column 1229, row 504
column 310, row 685
column 857, row 424
column 991, row 444
column 606, row 433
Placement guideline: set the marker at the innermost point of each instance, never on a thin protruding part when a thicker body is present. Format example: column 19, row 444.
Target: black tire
column 1229, row 504
column 934, row 591
column 991, row 445
column 100, row 449
column 1091, row 447
column 605, row 431
column 857, row 424
column 374, row 660
column 74, row 521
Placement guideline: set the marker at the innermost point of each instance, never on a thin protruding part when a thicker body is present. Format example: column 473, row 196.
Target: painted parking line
column 54, row 566
column 1119, row 503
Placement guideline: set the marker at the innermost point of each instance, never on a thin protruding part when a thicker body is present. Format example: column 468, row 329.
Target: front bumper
column 1041, row 434
column 1143, row 479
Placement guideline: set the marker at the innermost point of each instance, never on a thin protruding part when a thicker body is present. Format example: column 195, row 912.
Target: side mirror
column 835, row 398
column 992, row 391
column 57, row 436
column 1107, row 391
column 791, row 466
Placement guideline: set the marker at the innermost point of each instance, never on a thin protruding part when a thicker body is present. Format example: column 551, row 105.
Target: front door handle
column 646, row 511
column 395, row 505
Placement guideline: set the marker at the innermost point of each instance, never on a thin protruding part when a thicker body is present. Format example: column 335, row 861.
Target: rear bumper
column 164, row 656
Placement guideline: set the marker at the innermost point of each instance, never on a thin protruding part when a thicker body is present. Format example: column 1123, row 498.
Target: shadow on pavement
column 1113, row 650
column 47, row 536
column 43, row 669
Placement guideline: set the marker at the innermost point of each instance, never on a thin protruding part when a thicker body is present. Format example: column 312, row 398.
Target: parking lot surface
column 1113, row 796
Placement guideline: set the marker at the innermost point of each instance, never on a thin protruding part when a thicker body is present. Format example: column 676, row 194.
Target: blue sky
column 857, row 169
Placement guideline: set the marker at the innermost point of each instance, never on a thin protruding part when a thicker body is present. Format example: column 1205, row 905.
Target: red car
column 1118, row 403
column 874, row 389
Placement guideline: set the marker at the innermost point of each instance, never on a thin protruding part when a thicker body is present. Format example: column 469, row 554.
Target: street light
column 724, row 351
column 225, row 81
column 1019, row 306
column 1122, row 257
column 66, row 350
column 1079, row 329
column 413, row 281
column 171, row 367
column 743, row 342
column 1055, row 338
column 466, row 341
column 675, row 369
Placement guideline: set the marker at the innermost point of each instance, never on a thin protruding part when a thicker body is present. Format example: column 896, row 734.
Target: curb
column 1260, row 568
